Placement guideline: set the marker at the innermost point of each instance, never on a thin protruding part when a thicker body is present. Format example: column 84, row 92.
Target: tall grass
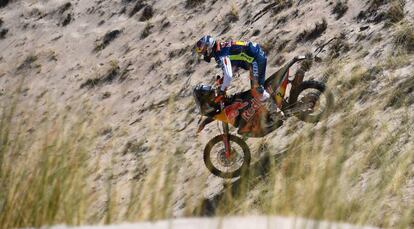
column 356, row 166
column 163, row 190
column 42, row 178
column 51, row 177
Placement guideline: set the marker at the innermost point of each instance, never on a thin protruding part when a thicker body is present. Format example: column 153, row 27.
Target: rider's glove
column 220, row 97
column 219, row 80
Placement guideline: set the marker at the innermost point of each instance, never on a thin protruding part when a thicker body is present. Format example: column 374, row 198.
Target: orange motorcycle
column 227, row 155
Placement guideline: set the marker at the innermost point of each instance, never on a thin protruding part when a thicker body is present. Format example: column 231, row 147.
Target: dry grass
column 48, row 176
column 356, row 166
column 339, row 170
column 281, row 5
column 233, row 15
column 42, row 179
column 375, row 4
column 403, row 94
column 268, row 45
column 137, row 7
column 340, row 8
column 397, row 60
column 106, row 40
column 339, row 47
column 147, row 13
column 354, row 169
column 28, row 62
column 396, row 11
column 318, row 177
column 310, row 35
column 373, row 13
column 147, row 30
column 110, row 75
column 193, row 3
column 404, row 37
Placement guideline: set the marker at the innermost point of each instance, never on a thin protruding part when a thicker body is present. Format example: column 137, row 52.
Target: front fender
column 204, row 123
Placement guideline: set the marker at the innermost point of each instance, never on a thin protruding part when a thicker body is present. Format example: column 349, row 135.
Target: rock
column 4, row 3
column 256, row 32
column 3, row 33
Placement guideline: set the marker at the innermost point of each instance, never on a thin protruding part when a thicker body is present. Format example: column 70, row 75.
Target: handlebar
column 299, row 58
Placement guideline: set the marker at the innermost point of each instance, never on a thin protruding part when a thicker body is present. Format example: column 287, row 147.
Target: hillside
column 98, row 121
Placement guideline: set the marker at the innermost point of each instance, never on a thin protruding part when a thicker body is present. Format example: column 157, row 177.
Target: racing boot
column 270, row 105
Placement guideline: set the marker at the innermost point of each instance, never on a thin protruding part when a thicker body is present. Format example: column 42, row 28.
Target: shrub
column 282, row 45
column 193, row 3
column 397, row 60
column 402, row 94
column 107, row 39
column 64, row 7
column 27, row 63
column 375, row 4
column 147, row 13
column 373, row 12
column 338, row 47
column 281, row 5
column 404, row 37
column 137, row 7
column 233, row 15
column 67, row 20
column 308, row 35
column 4, row 3
column 3, row 33
column 396, row 11
column 111, row 74
column 267, row 45
column 340, row 9
column 147, row 30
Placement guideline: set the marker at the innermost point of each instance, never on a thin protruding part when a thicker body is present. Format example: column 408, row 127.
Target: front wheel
column 311, row 101
column 227, row 167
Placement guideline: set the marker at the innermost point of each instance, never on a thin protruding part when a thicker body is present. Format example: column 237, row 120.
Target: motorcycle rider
column 236, row 54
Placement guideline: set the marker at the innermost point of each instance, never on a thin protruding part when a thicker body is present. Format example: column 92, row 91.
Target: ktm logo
column 249, row 113
column 232, row 111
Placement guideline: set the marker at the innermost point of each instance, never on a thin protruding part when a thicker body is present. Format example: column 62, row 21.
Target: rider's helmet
column 204, row 47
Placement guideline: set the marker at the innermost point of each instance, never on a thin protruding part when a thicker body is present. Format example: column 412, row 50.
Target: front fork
column 226, row 139
column 226, row 135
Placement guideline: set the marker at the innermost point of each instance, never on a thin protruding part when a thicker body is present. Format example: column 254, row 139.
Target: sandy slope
column 153, row 70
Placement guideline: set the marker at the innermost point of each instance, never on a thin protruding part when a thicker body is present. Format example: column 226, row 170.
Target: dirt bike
column 227, row 155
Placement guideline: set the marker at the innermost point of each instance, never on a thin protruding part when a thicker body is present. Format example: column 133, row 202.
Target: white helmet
column 204, row 47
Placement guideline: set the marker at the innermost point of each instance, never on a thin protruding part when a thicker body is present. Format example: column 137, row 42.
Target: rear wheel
column 311, row 101
column 218, row 164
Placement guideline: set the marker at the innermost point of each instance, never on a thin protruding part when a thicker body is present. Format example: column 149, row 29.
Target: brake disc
column 224, row 161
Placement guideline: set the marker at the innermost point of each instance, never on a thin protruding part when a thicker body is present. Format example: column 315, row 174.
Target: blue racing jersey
column 235, row 53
